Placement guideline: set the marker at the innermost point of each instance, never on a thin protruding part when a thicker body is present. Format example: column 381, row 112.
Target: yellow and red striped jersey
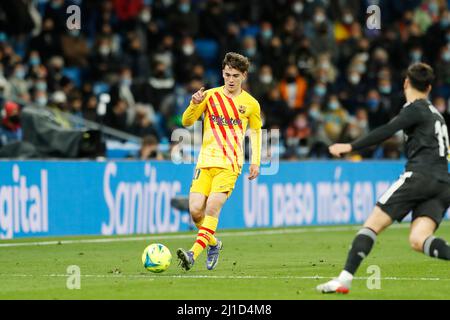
column 224, row 125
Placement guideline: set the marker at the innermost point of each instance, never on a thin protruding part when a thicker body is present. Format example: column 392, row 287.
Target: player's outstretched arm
column 195, row 108
column 407, row 118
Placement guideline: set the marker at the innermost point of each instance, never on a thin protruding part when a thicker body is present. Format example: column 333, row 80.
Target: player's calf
column 361, row 247
column 436, row 248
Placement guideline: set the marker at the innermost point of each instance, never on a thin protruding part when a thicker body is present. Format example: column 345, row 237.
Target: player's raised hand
column 199, row 96
column 339, row 149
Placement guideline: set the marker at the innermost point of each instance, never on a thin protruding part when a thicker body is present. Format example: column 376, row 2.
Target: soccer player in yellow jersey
column 227, row 112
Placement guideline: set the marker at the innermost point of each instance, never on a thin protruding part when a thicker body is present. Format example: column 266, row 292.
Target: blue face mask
column 41, row 101
column 20, row 74
column 56, row 5
column 184, row 7
column 250, row 52
column 372, row 104
column 333, row 106
column 41, row 86
column 315, row 114
column 416, row 56
column 267, row 34
column 385, row 89
column 125, row 82
column 446, row 56
column 445, row 23
column 320, row 91
column 34, row 61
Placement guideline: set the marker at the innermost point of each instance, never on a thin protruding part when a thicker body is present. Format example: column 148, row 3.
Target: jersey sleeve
column 255, row 125
column 194, row 112
column 408, row 117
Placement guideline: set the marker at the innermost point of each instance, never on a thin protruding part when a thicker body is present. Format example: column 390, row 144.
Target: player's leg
column 197, row 204
column 207, row 230
column 223, row 184
column 199, row 192
column 426, row 219
column 393, row 205
column 361, row 246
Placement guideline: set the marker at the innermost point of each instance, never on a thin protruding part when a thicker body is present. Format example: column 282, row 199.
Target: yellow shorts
column 213, row 180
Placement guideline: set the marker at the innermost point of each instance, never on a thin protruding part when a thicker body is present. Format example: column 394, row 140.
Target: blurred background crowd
column 320, row 75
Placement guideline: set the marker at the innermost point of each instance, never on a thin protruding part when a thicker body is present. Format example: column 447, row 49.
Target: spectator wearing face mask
column 343, row 27
column 183, row 20
column 298, row 134
column 443, row 71
column 293, row 88
column 10, row 129
column 262, row 83
column 377, row 114
column 186, row 58
column 352, row 90
column 18, row 83
column 436, row 35
column 104, row 62
column 161, row 84
column 250, row 50
column 265, row 35
column 335, row 118
column 356, row 127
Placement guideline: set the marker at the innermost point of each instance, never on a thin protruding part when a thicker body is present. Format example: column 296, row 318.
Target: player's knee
column 416, row 242
column 196, row 211
column 212, row 211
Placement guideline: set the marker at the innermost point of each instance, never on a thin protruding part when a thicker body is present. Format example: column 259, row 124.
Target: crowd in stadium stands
column 319, row 73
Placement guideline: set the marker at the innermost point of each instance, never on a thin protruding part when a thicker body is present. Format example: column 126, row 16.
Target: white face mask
column 319, row 18
column 355, row 79
column 348, row 19
column 298, row 7
column 104, row 50
column 188, row 50
column 266, row 78
column 146, row 16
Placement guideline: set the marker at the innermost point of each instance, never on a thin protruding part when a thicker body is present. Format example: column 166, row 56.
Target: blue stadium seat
column 208, row 50
column 73, row 74
column 100, row 87
column 251, row 30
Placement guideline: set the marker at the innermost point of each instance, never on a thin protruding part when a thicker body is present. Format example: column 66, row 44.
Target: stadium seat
column 208, row 50
column 251, row 31
column 73, row 74
column 101, row 87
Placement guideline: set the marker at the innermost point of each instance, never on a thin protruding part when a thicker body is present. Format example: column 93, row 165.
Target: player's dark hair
column 421, row 76
column 236, row 61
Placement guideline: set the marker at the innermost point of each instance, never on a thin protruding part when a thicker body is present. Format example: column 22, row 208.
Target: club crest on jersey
column 242, row 109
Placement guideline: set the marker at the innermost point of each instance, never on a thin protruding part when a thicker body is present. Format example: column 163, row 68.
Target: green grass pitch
column 269, row 264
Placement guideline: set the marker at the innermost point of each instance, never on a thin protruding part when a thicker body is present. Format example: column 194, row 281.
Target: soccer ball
column 156, row 258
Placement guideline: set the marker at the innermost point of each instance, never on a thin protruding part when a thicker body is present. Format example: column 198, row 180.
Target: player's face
column 233, row 79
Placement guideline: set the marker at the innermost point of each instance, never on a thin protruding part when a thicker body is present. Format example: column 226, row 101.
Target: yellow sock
column 205, row 235
column 199, row 224
column 212, row 238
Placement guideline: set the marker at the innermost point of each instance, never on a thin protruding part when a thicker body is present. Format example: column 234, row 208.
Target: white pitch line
column 249, row 277
column 188, row 236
